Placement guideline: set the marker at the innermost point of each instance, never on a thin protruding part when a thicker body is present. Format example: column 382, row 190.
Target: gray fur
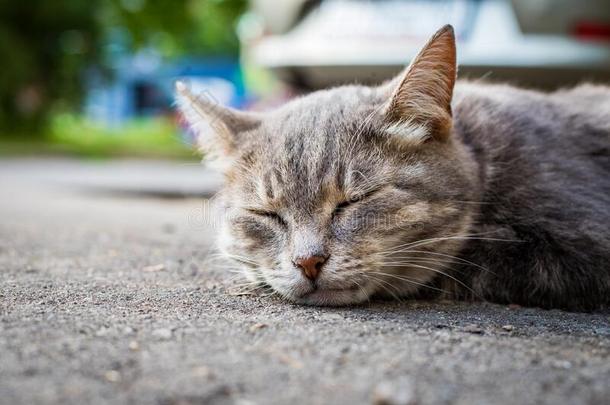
column 544, row 164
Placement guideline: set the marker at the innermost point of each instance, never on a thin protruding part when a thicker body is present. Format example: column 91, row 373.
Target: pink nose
column 310, row 266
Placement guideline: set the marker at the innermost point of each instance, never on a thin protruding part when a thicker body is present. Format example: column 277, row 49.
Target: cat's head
column 346, row 192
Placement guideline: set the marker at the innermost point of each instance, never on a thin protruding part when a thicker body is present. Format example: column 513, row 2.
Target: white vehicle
column 542, row 43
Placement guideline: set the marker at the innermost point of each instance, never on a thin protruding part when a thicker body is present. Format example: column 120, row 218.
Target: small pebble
column 112, row 376
column 163, row 333
column 399, row 392
column 473, row 329
column 202, row 371
column 332, row 317
column 508, row 328
column 103, row 331
column 154, row 268
column 134, row 345
column 258, row 326
column 562, row 364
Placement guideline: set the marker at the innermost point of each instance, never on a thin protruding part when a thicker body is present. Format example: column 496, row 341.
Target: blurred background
column 95, row 78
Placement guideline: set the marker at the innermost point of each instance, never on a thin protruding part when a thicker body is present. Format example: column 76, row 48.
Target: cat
column 419, row 187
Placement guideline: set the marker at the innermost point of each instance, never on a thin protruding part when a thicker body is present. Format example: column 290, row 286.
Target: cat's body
column 544, row 175
column 493, row 193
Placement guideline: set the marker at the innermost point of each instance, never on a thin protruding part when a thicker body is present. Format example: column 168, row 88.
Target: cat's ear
column 219, row 129
column 420, row 98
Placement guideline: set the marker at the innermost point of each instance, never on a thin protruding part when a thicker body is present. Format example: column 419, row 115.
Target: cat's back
column 541, row 152
column 581, row 107
column 587, row 102
column 548, row 130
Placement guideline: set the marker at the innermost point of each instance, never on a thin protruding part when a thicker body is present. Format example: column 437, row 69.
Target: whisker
column 362, row 290
column 408, row 259
column 442, row 273
column 386, row 289
column 423, row 242
column 453, row 257
column 243, row 259
column 473, row 202
column 409, row 280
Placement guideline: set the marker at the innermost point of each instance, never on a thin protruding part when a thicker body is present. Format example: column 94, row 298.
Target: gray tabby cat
column 408, row 189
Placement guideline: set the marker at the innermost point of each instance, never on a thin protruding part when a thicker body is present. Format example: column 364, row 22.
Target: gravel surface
column 113, row 298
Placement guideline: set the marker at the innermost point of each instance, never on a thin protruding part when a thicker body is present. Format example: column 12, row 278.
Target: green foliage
column 200, row 27
column 44, row 46
column 145, row 138
column 47, row 46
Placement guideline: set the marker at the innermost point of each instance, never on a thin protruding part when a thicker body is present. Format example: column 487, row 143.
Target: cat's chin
column 333, row 297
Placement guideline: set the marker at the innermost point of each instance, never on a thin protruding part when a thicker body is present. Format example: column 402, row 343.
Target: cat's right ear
column 219, row 130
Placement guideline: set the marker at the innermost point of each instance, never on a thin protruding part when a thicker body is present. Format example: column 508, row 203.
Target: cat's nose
column 310, row 266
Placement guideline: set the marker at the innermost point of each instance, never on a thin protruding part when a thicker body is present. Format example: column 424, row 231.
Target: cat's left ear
column 420, row 104
column 220, row 130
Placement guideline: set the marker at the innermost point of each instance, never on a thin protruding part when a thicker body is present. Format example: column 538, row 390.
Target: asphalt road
column 108, row 295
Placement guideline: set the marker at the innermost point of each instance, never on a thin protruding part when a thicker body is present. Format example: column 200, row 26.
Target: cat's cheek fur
column 242, row 237
column 227, row 247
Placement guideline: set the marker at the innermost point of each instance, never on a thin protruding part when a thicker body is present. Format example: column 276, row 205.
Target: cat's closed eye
column 353, row 200
column 270, row 215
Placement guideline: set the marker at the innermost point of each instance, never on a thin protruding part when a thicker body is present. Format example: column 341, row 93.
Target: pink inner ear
column 424, row 93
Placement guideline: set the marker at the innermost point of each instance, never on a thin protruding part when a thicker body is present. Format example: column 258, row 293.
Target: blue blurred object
column 142, row 86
